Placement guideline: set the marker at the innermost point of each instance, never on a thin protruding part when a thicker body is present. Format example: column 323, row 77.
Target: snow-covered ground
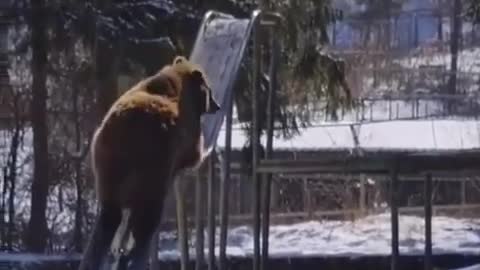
column 28, row 258
column 473, row 267
column 367, row 236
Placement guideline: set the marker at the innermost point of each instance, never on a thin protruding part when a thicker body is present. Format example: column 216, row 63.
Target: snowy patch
column 35, row 258
column 367, row 236
column 473, row 267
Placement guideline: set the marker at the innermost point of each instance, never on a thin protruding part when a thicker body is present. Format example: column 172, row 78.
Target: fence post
column 271, row 104
column 199, row 222
column 398, row 109
column 417, row 105
column 154, row 251
column 363, row 109
column 426, row 110
column 363, row 195
column 463, row 195
column 428, row 222
column 389, row 108
column 394, row 217
column 413, row 110
column 182, row 221
column 257, row 68
column 211, row 211
column 225, row 187
column 307, row 200
column 371, row 110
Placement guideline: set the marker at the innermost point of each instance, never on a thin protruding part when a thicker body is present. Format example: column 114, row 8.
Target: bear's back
column 140, row 123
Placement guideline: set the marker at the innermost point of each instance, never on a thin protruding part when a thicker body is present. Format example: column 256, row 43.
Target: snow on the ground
column 367, row 236
column 34, row 258
column 472, row 267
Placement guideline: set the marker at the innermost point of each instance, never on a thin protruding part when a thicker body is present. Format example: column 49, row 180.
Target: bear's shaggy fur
column 149, row 134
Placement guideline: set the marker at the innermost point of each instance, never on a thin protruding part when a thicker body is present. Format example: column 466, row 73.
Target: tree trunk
column 366, row 35
column 3, row 232
column 107, row 60
column 388, row 25
column 12, row 175
column 106, row 76
column 36, row 238
column 440, row 27
column 77, row 234
column 454, row 45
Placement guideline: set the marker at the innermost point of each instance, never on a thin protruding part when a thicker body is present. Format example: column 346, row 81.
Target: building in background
column 408, row 24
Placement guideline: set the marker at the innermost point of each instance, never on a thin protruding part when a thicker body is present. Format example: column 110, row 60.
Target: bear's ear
column 179, row 60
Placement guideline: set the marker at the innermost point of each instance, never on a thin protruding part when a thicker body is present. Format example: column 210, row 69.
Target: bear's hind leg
column 104, row 229
column 145, row 214
column 108, row 176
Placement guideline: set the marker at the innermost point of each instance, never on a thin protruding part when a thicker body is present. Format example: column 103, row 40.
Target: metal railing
column 409, row 107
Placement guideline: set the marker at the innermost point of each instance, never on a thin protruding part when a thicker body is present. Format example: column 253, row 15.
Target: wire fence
column 409, row 107
column 297, row 198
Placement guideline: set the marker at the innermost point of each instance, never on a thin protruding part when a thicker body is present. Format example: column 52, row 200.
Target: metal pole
column 307, row 200
column 182, row 222
column 394, row 218
column 154, row 251
column 463, row 196
column 363, row 195
column 463, row 192
column 211, row 212
column 428, row 222
column 199, row 222
column 225, row 186
column 274, row 52
column 255, row 146
column 389, row 108
column 398, row 109
column 363, row 109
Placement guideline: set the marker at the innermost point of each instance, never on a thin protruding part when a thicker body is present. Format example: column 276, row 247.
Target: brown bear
column 152, row 132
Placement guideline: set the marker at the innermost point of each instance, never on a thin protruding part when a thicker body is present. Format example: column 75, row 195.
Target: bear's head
column 187, row 80
column 196, row 85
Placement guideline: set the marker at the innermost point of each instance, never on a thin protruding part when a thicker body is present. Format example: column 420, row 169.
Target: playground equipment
column 219, row 48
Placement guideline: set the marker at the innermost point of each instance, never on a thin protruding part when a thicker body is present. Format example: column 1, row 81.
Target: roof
column 412, row 135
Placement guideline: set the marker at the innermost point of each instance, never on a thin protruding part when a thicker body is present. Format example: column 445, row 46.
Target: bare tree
column 454, row 45
column 11, row 165
column 473, row 10
column 107, row 57
column 37, row 233
column 81, row 150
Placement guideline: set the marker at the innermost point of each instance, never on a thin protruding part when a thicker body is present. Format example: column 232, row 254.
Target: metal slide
column 219, row 49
